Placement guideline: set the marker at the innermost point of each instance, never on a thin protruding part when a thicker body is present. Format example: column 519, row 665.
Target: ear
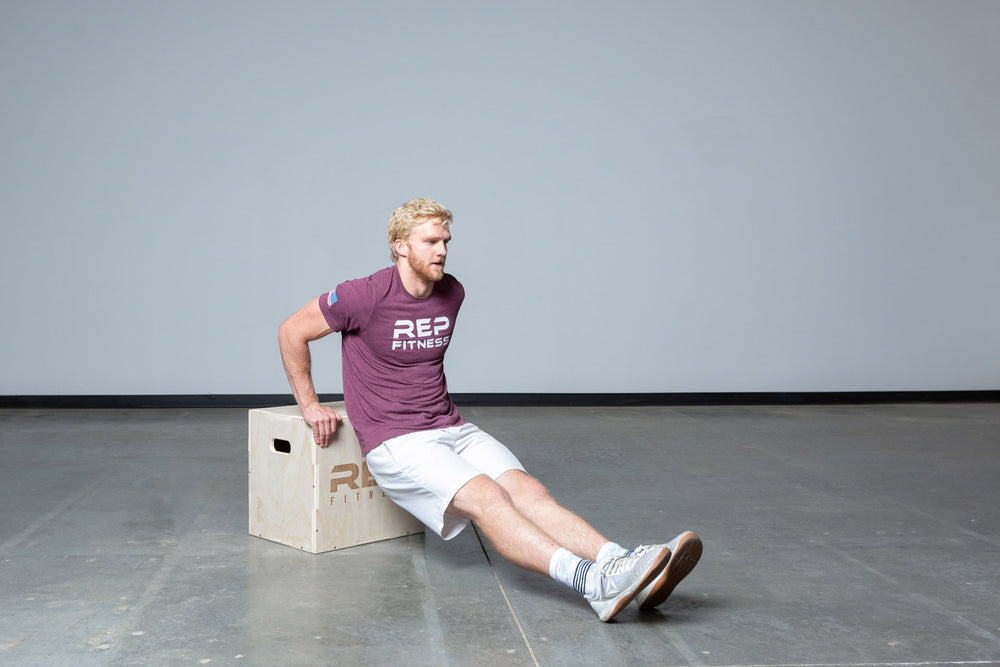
column 399, row 245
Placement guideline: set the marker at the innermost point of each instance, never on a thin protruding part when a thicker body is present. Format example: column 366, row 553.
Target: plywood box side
column 281, row 485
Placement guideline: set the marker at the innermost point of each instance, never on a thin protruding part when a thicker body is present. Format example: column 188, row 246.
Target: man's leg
column 608, row 588
column 517, row 539
column 567, row 529
column 418, row 470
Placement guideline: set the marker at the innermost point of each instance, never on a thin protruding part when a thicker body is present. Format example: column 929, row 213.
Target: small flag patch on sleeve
column 332, row 298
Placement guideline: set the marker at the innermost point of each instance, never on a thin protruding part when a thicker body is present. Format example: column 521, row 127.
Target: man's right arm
column 294, row 335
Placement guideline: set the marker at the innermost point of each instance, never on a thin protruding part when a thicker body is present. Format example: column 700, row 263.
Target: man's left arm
column 294, row 335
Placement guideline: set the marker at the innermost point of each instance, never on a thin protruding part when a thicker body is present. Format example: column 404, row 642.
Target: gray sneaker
column 619, row 579
column 685, row 550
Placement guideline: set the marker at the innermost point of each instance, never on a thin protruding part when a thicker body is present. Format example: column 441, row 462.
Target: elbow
column 284, row 333
column 291, row 334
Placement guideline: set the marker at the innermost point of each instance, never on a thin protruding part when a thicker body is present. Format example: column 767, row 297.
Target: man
column 395, row 326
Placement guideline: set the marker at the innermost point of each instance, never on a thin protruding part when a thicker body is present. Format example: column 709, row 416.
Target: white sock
column 572, row 570
column 610, row 550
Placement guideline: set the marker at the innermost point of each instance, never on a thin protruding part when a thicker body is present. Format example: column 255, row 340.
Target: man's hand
column 323, row 421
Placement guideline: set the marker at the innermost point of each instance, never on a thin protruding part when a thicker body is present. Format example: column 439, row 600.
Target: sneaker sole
column 682, row 561
column 651, row 574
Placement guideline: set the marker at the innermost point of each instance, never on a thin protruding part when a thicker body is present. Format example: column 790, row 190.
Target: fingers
column 323, row 421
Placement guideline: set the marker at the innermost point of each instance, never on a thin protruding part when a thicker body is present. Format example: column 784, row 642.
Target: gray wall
column 649, row 196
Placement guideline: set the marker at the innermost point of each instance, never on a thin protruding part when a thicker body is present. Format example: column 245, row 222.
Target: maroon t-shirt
column 393, row 347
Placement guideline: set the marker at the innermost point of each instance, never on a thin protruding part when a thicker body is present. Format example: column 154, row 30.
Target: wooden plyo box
column 313, row 498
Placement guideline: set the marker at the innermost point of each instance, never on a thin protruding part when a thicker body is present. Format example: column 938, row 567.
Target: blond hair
column 411, row 214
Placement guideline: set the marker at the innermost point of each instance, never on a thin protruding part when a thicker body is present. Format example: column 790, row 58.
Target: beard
column 427, row 271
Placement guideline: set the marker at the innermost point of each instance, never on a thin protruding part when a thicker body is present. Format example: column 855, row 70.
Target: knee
column 479, row 497
column 526, row 491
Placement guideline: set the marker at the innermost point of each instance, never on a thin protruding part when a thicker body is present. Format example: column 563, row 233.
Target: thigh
column 421, row 473
column 484, row 452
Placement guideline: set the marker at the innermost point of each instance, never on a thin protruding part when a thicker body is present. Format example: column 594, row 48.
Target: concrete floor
column 849, row 535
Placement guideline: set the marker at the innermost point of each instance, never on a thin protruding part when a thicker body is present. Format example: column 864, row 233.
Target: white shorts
column 421, row 472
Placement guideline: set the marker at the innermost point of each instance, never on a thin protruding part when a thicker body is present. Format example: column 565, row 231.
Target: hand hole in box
column 281, row 446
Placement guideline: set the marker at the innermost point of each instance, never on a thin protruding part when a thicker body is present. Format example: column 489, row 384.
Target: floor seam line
column 506, row 599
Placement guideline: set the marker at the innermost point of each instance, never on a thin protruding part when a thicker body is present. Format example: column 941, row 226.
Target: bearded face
column 426, row 249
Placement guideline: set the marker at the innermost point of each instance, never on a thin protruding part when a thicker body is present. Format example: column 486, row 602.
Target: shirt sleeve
column 347, row 307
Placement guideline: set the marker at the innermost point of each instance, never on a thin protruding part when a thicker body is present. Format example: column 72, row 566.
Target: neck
column 412, row 283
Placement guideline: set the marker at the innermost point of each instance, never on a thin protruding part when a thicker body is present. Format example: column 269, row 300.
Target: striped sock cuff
column 581, row 576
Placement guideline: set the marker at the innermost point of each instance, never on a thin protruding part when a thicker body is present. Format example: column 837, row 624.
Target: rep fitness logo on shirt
column 421, row 334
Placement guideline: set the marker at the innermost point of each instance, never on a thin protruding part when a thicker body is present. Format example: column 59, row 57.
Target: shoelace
column 640, row 550
column 616, row 565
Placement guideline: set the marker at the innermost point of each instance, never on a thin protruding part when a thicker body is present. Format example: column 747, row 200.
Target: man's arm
column 294, row 336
